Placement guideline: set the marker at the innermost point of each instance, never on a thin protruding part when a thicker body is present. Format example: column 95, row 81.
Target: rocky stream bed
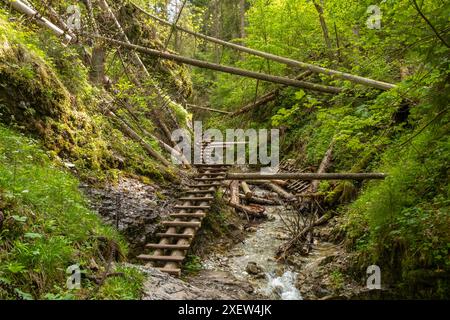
column 245, row 269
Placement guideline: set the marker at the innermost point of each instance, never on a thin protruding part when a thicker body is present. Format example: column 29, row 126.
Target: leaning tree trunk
column 326, row 161
column 323, row 24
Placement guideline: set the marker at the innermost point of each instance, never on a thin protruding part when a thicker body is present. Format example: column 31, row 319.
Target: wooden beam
column 287, row 61
column 221, row 68
column 305, row 176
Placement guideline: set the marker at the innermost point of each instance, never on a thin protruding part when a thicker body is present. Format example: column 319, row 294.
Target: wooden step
column 192, row 207
column 188, row 215
column 183, row 224
column 196, row 198
column 212, row 170
column 199, row 191
column 147, row 257
column 168, row 246
column 206, row 185
column 173, row 272
column 213, row 165
column 209, row 179
column 212, row 174
column 175, row 235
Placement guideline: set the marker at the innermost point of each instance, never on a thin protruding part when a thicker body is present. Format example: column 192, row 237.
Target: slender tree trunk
column 326, row 161
column 217, row 29
column 98, row 59
column 323, row 24
column 242, row 4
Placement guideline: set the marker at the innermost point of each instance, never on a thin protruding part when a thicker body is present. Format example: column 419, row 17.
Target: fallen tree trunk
column 281, row 183
column 305, row 176
column 268, row 97
column 132, row 134
column 247, row 192
column 192, row 106
column 257, row 200
column 326, row 161
column 254, row 211
column 26, row 9
column 234, row 192
column 226, row 69
column 283, row 193
column 58, row 20
column 290, row 62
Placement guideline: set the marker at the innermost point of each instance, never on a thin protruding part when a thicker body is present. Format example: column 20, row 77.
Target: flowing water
column 275, row 280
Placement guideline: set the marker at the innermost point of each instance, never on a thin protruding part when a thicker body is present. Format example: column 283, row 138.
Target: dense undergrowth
column 46, row 227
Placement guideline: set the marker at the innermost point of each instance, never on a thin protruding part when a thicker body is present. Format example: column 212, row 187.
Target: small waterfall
column 283, row 287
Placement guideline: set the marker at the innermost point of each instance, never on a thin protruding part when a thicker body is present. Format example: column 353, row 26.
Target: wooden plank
column 205, row 185
column 183, row 224
column 168, row 246
column 199, row 191
column 188, row 215
column 175, row 235
column 210, row 179
column 213, row 174
column 196, row 198
column 192, row 207
column 147, row 257
column 213, row 165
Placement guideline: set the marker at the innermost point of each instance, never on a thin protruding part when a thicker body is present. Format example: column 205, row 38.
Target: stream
column 252, row 261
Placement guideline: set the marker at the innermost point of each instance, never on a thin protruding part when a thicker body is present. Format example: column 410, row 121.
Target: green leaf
column 15, row 267
column 299, row 95
column 19, row 218
column 32, row 235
